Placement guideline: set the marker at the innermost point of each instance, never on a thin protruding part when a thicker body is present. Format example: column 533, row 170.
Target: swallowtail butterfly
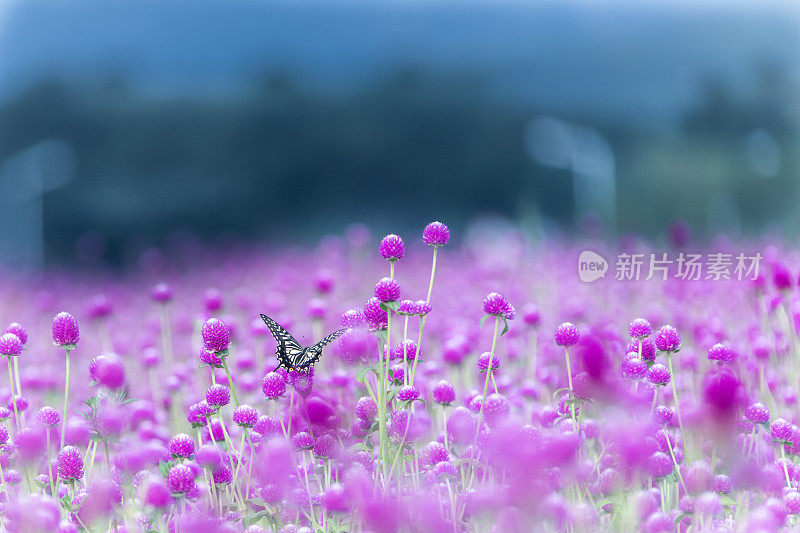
column 291, row 355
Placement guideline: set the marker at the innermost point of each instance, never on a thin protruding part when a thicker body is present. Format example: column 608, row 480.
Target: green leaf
column 562, row 389
column 681, row 517
column 131, row 400
column 483, row 319
column 505, row 327
column 390, row 306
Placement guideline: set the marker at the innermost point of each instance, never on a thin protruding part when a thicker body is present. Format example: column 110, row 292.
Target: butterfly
column 291, row 355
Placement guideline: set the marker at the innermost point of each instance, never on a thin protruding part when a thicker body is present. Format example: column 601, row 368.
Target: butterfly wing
column 313, row 353
column 288, row 348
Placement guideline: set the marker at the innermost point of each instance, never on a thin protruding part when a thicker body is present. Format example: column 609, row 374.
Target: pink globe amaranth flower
column 720, row 352
column 19, row 330
column 660, row 465
column 781, row 277
column 21, row 401
column 497, row 305
column 483, row 361
column 663, row 414
column 406, row 308
column 212, row 300
column 48, row 417
column 780, row 430
column 435, row 234
column 324, row 281
column 352, row 318
column 658, row 374
column 632, row 367
column 406, row 350
column 640, row 328
column 150, row 357
column 222, row 474
column 326, row 446
column 722, row 483
column 366, row 408
column 648, row 349
column 317, row 309
column 3, row 434
column 180, row 479
column 387, row 290
column 110, row 372
column 156, row 493
column 181, row 445
column 392, row 248
column 161, row 293
column 273, row 386
column 267, row 426
column 208, row 456
column 218, row 395
column 792, row 501
column 407, row 394
column 207, row 357
column 99, row 307
column 421, row 308
column 65, row 330
column 461, row 425
column 444, row 393
column 567, row 334
column 10, row 345
column 757, row 413
column 531, row 315
column 302, row 381
column 198, row 413
column 70, row 464
column 667, row 339
column 216, row 335
column 245, row 416
column 303, row 441
column 375, row 317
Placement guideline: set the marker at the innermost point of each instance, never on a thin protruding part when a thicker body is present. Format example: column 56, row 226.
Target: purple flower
column 406, row 307
column 303, row 441
column 444, row 393
column 366, row 409
column 496, row 304
column 668, row 339
column 640, row 328
column 648, row 349
column 780, row 429
column 720, row 352
column 406, row 350
column 198, row 413
column 156, row 493
column 392, row 248
column 722, row 483
column 70, row 464
column 302, row 381
column 48, row 417
column 757, row 413
column 180, row 479
column 218, row 395
column 387, row 290
column 632, row 367
column 10, row 345
column 407, row 394
column 181, row 445
column 781, row 277
column 216, row 335
column 435, row 234
column 531, row 315
column 210, row 358
column 422, row 308
column 65, row 330
column 212, row 300
column 161, row 293
column 375, row 317
column 663, row 414
column 325, row 447
column 110, row 372
column 660, row 465
column 792, row 501
column 658, row 374
column 567, row 334
column 483, row 361
column 100, row 307
column 352, row 318
column 222, row 474
column 273, row 386
column 245, row 416
column 19, row 330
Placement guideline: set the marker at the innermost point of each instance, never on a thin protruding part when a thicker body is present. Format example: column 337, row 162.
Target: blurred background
column 125, row 123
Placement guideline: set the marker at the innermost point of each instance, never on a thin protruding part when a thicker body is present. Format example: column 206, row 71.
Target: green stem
column 677, row 403
column 66, row 399
column 13, row 393
column 488, row 375
column 569, row 380
column 433, row 272
column 230, row 381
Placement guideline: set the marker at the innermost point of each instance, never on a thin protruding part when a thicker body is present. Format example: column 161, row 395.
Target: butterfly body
column 291, row 354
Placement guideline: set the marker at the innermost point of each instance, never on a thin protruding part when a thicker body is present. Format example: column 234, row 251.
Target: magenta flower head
column 245, row 416
column 435, row 234
column 216, row 335
column 156, row 493
column 375, row 317
column 65, row 331
column 180, row 479
column 218, row 396
column 648, row 348
column 207, row 357
column 780, row 430
column 222, row 474
column 781, row 277
column 387, row 290
column 720, row 352
column 757, row 413
column 660, row 465
column 303, row 441
column 366, row 408
column 70, row 464
column 100, row 307
column 406, row 350
column 444, row 393
column 392, row 248
column 198, row 413
column 658, row 374
column 352, row 318
column 567, row 334
column 407, row 394
column 632, row 367
column 406, row 308
column 640, row 328
column 3, row 435
column 483, row 362
column 161, row 293
column 181, row 445
column 496, row 304
column 19, row 330
column 531, row 315
column 10, row 345
column 668, row 339
column 273, row 386
column 110, row 372
column 48, row 417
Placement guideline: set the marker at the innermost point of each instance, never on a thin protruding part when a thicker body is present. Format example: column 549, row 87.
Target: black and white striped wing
column 288, row 349
column 327, row 340
column 313, row 353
